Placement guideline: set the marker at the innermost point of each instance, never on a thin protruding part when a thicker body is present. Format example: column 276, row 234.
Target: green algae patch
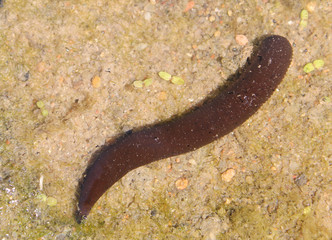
column 309, row 67
column 165, row 75
column 177, row 80
column 138, row 84
column 40, row 104
column 147, row 82
column 304, row 14
column 249, row 221
column 319, row 63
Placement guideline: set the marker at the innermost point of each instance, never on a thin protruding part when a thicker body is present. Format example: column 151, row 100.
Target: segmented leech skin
column 208, row 122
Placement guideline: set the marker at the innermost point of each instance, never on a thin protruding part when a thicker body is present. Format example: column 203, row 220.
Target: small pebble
column 217, row 34
column 147, row 16
column 249, row 179
column 162, row 96
column 301, row 180
column 306, row 210
column 22, row 72
column 41, row 67
column 228, row 175
column 192, row 162
column 189, row 6
column 212, row 18
column 181, row 183
column 96, row 82
column 311, row 6
column 228, row 201
column 142, row 46
column 242, row 40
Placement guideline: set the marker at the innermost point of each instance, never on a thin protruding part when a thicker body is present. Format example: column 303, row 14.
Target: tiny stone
column 41, row 67
column 162, row 96
column 153, row 212
column 212, row 18
column 306, row 210
column 22, row 72
column 96, row 82
column 192, row 161
column 141, row 46
column 147, row 16
column 301, row 180
column 242, row 40
column 228, row 175
column 249, row 179
column 26, row 76
column 228, row 201
column 181, row 183
column 217, row 34
column 311, row 6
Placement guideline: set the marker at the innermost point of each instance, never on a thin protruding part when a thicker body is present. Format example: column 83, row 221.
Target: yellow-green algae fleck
column 147, row 82
column 138, row 84
column 177, row 80
column 319, row 63
column 309, row 67
column 304, row 14
column 165, row 75
column 40, row 104
column 44, row 112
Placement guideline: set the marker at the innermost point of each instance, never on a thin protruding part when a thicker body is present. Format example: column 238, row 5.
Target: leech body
column 193, row 130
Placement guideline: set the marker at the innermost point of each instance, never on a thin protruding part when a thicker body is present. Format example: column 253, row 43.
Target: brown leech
column 193, row 130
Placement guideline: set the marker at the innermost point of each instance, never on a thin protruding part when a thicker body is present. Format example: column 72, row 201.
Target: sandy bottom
column 67, row 73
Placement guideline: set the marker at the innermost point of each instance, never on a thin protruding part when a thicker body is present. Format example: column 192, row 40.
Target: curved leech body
column 193, row 130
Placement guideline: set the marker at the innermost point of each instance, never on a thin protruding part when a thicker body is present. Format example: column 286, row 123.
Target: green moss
column 248, row 221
